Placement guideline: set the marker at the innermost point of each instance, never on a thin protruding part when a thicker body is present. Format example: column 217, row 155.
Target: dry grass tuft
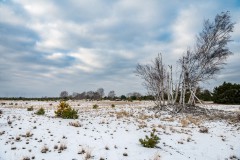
column 26, row 158
column 28, row 134
column 161, row 126
column 62, row 147
column 88, row 155
column 122, row 114
column 44, row 149
column 203, row 130
column 168, row 119
column 184, row 122
column 194, row 120
column 144, row 116
column 75, row 124
column 157, row 156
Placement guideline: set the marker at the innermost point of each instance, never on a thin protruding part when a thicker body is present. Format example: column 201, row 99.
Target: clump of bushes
column 113, row 106
column 95, row 106
column 150, row 142
column 65, row 111
column 227, row 93
column 30, row 108
column 40, row 111
column 1, row 112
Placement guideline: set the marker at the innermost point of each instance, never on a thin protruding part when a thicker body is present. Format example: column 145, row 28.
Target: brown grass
column 161, row 126
column 184, row 122
column 194, row 120
column 122, row 114
column 75, row 124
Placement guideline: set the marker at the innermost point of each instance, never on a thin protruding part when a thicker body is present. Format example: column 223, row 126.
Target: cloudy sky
column 47, row 46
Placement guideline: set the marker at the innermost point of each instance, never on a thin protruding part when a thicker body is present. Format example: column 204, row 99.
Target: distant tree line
column 100, row 95
column 227, row 93
column 31, row 99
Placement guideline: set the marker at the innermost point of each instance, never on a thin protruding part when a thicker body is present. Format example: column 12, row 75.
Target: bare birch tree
column 154, row 76
column 209, row 55
column 198, row 65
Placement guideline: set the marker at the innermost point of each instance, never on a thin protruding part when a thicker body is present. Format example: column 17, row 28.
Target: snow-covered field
column 113, row 133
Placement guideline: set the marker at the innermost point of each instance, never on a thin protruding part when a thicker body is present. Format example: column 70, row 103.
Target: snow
column 106, row 127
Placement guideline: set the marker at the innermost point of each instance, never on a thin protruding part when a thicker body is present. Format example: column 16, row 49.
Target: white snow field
column 113, row 133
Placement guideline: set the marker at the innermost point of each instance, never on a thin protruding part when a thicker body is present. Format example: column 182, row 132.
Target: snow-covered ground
column 112, row 133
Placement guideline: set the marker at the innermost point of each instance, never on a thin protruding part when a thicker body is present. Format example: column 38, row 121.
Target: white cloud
column 75, row 40
column 89, row 58
column 55, row 56
column 7, row 15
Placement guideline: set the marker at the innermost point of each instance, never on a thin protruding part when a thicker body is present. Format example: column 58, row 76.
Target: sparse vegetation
column 203, row 130
column 44, row 149
column 75, row 124
column 157, row 157
column 88, row 155
column 62, row 147
column 28, row 134
column 65, row 111
column 55, row 147
column 184, row 122
column 26, row 158
column 150, row 142
column 95, row 106
column 122, row 114
column 40, row 111
column 30, row 108
column 125, row 154
column 113, row 106
column 18, row 138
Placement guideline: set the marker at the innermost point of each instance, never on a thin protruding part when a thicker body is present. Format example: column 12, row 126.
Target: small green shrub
column 95, row 106
column 30, row 108
column 65, row 111
column 1, row 112
column 40, row 111
column 150, row 142
column 113, row 106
